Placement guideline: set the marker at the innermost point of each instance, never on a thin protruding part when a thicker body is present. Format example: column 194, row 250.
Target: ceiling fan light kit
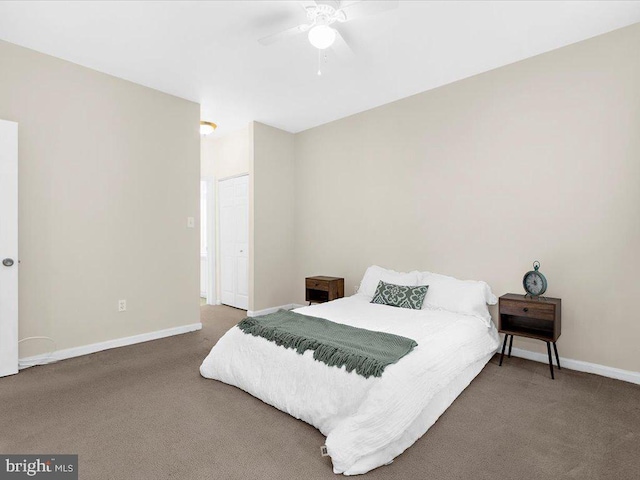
column 321, row 15
column 322, row 36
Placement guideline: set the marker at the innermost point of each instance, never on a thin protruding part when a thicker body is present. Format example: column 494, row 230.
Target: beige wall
column 273, row 204
column 108, row 174
column 538, row 160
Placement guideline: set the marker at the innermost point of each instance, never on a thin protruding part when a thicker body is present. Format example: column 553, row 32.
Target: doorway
column 233, row 201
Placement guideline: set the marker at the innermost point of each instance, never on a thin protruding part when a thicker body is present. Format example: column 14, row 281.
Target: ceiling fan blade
column 290, row 32
column 342, row 49
column 364, row 8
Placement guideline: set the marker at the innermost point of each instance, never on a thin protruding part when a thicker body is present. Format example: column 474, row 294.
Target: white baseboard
column 27, row 362
column 579, row 365
column 265, row 311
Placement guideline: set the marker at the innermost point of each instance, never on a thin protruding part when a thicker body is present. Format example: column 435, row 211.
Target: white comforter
column 365, row 420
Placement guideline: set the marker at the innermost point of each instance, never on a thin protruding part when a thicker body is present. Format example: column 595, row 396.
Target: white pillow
column 468, row 297
column 374, row 274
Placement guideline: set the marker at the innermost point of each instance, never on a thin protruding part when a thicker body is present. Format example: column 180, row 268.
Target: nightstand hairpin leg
column 555, row 349
column 510, row 345
column 550, row 361
column 504, row 344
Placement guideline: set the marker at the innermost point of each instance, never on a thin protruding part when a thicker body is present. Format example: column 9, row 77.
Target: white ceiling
column 208, row 51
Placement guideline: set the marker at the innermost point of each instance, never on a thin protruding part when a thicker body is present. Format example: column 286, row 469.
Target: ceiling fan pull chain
column 322, row 55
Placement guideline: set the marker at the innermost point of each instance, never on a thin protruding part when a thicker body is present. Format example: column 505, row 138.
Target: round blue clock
column 534, row 282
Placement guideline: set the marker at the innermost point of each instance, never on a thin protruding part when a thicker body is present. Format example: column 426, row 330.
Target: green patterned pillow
column 400, row 296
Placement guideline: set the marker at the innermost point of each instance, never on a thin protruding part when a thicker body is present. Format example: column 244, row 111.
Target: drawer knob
column 317, row 285
column 525, row 309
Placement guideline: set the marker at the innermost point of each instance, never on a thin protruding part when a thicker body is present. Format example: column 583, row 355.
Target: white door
column 233, row 201
column 8, row 248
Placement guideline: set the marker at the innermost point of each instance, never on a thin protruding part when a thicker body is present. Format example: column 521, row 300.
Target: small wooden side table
column 538, row 318
column 322, row 289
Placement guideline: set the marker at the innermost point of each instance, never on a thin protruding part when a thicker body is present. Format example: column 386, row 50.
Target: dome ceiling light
column 207, row 128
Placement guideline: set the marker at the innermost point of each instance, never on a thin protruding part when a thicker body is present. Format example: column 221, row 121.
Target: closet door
column 8, row 248
column 233, row 202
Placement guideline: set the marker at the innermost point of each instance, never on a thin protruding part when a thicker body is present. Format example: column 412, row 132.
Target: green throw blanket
column 365, row 351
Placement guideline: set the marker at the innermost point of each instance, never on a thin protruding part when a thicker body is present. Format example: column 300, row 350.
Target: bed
column 369, row 421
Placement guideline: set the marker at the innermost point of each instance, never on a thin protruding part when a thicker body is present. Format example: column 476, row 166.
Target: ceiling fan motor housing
column 325, row 14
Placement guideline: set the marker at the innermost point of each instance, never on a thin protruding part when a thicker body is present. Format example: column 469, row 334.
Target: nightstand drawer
column 542, row 311
column 314, row 284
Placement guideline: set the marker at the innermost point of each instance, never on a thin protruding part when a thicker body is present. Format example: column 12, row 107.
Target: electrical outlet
column 355, row 289
column 122, row 305
column 191, row 222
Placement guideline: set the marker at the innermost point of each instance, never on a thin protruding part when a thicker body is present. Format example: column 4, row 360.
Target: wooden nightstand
column 538, row 318
column 323, row 289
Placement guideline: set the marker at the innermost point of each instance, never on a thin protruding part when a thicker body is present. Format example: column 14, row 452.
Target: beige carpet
column 144, row 412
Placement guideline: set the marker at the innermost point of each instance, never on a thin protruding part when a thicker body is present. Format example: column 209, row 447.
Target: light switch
column 191, row 222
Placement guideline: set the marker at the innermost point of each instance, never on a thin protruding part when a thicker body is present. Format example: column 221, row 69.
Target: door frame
column 211, row 238
column 9, row 243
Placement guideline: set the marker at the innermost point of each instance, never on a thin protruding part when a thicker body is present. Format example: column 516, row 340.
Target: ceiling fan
column 322, row 17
